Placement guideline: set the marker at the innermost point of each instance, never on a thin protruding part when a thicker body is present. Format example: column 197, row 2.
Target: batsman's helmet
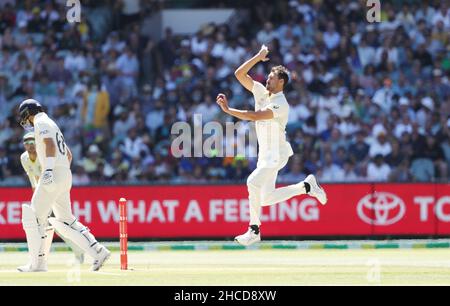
column 29, row 108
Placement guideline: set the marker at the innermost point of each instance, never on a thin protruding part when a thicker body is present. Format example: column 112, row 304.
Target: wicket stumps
column 123, row 234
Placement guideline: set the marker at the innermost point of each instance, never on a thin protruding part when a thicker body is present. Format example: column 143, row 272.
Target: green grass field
column 244, row 267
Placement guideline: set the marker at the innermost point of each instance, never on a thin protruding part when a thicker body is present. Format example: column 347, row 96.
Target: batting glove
column 47, row 178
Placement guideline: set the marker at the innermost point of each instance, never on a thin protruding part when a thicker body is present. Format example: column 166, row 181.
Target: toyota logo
column 381, row 208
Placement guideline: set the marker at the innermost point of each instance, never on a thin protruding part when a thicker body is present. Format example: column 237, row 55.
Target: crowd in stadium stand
column 369, row 101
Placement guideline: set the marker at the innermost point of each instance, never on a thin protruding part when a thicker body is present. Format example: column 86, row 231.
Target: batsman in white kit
column 52, row 193
column 32, row 167
column 270, row 116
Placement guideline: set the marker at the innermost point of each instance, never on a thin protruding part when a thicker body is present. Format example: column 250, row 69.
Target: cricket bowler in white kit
column 32, row 167
column 52, row 193
column 270, row 116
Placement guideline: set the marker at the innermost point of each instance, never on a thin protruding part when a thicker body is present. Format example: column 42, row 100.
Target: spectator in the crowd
column 380, row 145
column 350, row 174
column 128, row 67
column 80, row 176
column 266, row 34
column 442, row 15
column 150, row 62
column 49, row 15
column 433, row 152
column 123, row 123
column 395, row 158
column 130, row 11
column 384, row 96
column 118, row 165
column 4, row 163
column 199, row 44
column 405, row 17
column 22, row 90
column 313, row 163
column 168, row 48
column 163, row 132
column 331, row 172
column 21, row 37
column 59, row 73
column 233, row 54
column 403, row 127
column 155, row 118
column 401, row 173
column 199, row 175
column 423, row 111
column 133, row 145
column 136, row 169
column 366, row 53
column 378, row 170
column 103, row 173
column 113, row 43
column 208, row 109
column 331, row 38
column 295, row 172
column 75, row 61
column 423, row 56
column 90, row 162
column 95, row 109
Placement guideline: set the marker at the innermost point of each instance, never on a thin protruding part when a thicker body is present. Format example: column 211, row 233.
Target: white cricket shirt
column 272, row 143
column 32, row 168
column 44, row 127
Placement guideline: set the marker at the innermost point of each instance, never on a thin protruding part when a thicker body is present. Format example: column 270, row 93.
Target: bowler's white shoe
column 41, row 267
column 316, row 191
column 103, row 255
column 249, row 238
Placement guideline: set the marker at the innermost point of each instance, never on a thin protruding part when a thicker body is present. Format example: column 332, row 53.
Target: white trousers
column 262, row 191
column 43, row 201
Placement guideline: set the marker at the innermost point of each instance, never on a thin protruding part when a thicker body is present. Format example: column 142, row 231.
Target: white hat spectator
column 428, row 103
column 378, row 129
column 437, row 72
column 147, row 88
column 346, row 111
column 22, row 24
column 403, row 101
column 185, row 43
column 360, row 92
column 118, row 110
column 78, row 88
column 198, row 63
column 93, row 149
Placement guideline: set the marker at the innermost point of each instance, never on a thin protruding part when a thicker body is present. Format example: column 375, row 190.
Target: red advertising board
column 222, row 211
